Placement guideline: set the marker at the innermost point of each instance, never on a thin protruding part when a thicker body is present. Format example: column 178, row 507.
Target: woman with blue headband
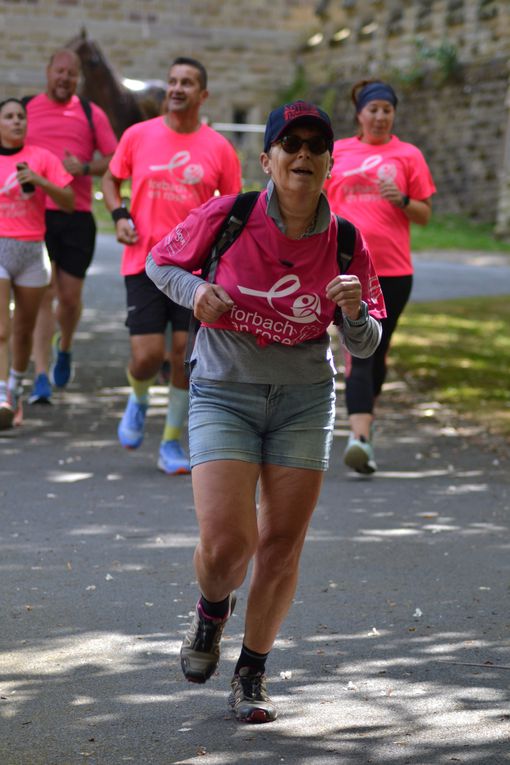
column 381, row 184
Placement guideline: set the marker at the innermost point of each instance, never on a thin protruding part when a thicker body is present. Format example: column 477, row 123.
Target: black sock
column 218, row 610
column 248, row 658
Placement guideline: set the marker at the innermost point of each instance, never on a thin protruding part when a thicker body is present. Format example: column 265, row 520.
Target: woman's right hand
column 125, row 231
column 210, row 302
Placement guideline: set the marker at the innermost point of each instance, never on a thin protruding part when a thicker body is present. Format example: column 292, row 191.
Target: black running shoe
column 249, row 700
column 200, row 650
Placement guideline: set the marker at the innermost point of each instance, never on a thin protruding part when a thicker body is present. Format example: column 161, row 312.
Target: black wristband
column 405, row 200
column 119, row 213
column 86, row 168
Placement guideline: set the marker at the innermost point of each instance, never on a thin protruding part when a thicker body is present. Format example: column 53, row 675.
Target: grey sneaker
column 200, row 650
column 359, row 455
column 249, row 700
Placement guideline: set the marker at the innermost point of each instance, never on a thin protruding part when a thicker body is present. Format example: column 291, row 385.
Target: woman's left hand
column 345, row 291
column 25, row 174
column 391, row 193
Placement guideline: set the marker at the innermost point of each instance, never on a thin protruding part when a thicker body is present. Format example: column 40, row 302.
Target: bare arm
column 124, row 228
column 62, row 196
column 76, row 167
column 417, row 210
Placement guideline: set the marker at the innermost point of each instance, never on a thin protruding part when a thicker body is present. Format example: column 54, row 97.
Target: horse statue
column 101, row 85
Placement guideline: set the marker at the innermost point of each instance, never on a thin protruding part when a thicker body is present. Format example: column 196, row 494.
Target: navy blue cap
column 284, row 116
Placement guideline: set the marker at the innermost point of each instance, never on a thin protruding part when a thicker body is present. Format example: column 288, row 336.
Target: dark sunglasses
column 292, row 143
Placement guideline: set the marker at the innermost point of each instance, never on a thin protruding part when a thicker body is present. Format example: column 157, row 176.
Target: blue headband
column 376, row 91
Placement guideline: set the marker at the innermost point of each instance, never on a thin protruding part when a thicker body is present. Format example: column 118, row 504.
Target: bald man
column 79, row 133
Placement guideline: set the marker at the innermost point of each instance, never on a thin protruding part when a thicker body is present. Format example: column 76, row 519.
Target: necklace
column 310, row 228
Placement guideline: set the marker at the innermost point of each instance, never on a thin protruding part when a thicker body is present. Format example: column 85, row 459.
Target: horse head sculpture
column 101, row 85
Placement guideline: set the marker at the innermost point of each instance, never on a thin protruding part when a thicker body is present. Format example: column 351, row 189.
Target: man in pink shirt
column 176, row 163
column 79, row 133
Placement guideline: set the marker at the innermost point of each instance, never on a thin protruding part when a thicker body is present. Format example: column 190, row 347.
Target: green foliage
column 459, row 353
column 440, row 62
column 299, row 88
column 455, row 232
column 329, row 99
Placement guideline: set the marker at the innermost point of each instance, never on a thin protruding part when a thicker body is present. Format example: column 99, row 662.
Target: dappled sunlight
column 62, row 477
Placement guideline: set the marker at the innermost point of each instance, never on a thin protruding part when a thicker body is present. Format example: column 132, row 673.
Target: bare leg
column 69, row 306
column 224, row 493
column 27, row 302
column 361, row 424
column 147, row 353
column 5, row 328
column 288, row 499
column 178, row 375
column 44, row 329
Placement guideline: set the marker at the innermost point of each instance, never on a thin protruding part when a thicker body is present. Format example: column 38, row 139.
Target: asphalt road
column 396, row 649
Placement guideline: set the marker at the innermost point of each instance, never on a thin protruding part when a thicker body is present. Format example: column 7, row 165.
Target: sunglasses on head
column 292, row 143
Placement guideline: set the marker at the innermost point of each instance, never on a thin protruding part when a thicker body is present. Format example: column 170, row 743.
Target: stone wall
column 446, row 58
column 459, row 127
column 448, row 61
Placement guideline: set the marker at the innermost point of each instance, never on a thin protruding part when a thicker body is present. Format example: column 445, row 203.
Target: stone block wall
column 448, row 59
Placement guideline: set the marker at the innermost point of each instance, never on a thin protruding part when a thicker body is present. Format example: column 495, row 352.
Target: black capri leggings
column 365, row 377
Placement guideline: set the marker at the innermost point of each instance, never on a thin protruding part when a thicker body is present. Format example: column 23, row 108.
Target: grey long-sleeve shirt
column 221, row 354
column 235, row 356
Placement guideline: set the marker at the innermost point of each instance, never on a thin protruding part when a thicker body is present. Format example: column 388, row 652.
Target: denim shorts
column 290, row 425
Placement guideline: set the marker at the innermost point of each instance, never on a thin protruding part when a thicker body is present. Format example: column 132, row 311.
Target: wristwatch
column 362, row 319
column 86, row 168
column 405, row 200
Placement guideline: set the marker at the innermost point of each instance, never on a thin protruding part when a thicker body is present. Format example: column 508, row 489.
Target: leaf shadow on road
column 394, row 652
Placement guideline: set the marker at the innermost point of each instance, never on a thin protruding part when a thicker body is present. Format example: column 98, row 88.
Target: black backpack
column 231, row 229
column 87, row 110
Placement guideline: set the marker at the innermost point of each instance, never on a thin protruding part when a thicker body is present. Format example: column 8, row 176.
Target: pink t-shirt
column 22, row 215
column 64, row 128
column 171, row 174
column 275, row 301
column 353, row 193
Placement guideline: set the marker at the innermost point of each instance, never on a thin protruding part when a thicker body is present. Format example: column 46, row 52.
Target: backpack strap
column 345, row 243
column 87, row 110
column 230, row 230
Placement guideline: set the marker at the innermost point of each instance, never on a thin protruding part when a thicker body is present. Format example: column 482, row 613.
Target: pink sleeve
column 420, row 181
column 105, row 137
column 363, row 267
column 189, row 243
column 120, row 164
column 230, row 181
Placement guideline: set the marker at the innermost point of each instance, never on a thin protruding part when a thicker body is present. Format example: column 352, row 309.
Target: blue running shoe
column 60, row 372
column 41, row 392
column 131, row 427
column 172, row 459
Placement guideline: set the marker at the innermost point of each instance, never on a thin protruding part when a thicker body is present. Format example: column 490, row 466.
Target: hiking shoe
column 41, row 391
column 131, row 426
column 6, row 415
column 60, row 372
column 249, row 700
column 359, row 455
column 172, row 459
column 200, row 650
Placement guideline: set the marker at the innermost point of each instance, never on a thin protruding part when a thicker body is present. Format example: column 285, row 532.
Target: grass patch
column 101, row 214
column 454, row 232
column 458, row 351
